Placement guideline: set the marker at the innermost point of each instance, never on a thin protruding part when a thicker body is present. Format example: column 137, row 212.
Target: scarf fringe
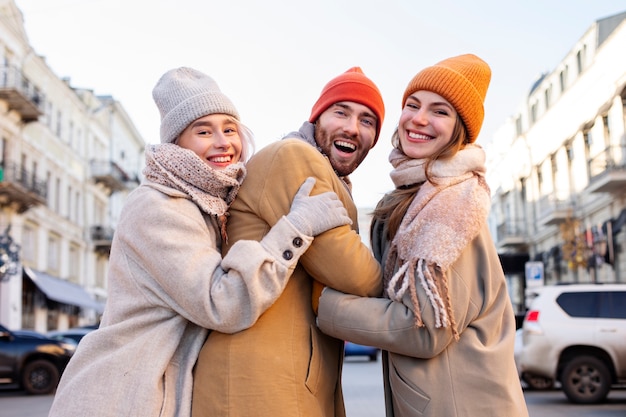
column 434, row 283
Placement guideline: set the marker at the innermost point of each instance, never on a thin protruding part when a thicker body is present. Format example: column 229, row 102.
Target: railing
column 511, row 229
column 110, row 174
column 12, row 173
column 13, row 80
column 613, row 158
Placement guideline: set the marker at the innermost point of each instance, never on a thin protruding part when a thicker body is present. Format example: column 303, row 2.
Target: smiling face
column 426, row 124
column 214, row 138
column 345, row 132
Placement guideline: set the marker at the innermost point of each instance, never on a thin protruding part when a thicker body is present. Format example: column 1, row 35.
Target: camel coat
column 167, row 285
column 283, row 366
column 426, row 372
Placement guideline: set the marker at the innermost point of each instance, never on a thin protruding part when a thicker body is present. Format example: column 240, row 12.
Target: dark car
column 353, row 349
column 30, row 362
column 75, row 334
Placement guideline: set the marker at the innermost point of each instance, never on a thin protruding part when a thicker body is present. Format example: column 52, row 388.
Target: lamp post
column 9, row 256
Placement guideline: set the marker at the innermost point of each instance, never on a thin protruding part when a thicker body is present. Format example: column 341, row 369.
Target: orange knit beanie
column 354, row 86
column 463, row 81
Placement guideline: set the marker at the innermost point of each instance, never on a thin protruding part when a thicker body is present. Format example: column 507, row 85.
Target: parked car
column 533, row 382
column 31, row 361
column 74, row 334
column 576, row 334
column 353, row 349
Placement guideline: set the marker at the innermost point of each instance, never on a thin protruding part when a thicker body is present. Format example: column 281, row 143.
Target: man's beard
column 326, row 143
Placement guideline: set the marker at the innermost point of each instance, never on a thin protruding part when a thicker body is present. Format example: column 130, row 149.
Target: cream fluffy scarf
column 211, row 189
column 443, row 218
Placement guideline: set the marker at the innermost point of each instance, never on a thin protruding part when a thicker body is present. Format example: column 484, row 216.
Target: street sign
column 534, row 274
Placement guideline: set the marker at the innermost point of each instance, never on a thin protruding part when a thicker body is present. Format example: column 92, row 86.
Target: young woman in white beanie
column 446, row 325
column 168, row 283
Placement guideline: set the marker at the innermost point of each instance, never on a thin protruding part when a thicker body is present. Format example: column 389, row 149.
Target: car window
column 614, row 305
column 580, row 304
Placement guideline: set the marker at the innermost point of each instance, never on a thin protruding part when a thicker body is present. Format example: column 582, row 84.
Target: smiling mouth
column 419, row 136
column 221, row 159
column 346, row 147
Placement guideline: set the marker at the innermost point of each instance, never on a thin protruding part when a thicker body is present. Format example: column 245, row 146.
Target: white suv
column 576, row 334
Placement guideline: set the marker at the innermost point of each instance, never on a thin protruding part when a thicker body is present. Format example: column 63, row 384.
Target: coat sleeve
column 169, row 241
column 473, row 282
column 337, row 258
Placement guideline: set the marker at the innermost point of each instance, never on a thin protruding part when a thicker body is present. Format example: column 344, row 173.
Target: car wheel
column 586, row 380
column 40, row 377
column 536, row 382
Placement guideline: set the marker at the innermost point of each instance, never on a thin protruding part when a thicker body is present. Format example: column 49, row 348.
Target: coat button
column 288, row 255
column 297, row 242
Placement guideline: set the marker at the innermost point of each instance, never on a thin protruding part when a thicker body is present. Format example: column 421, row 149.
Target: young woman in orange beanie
column 445, row 324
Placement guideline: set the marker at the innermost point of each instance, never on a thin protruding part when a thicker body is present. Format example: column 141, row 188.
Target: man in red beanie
column 284, row 365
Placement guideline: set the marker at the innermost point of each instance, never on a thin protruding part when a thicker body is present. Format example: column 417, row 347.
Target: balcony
column 102, row 238
column 20, row 189
column 109, row 174
column 607, row 171
column 553, row 211
column 511, row 234
column 20, row 94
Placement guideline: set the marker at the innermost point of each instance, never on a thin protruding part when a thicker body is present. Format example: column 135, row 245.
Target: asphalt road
column 363, row 393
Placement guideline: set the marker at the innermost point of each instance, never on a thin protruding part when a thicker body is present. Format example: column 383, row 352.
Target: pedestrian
column 283, row 365
column 168, row 282
column 446, row 324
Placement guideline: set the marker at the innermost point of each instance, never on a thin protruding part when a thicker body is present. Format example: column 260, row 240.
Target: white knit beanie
column 184, row 95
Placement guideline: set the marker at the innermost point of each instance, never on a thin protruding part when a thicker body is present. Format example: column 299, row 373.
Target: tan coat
column 426, row 372
column 167, row 284
column 283, row 365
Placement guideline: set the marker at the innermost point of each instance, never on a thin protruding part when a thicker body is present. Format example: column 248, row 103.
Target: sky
column 272, row 58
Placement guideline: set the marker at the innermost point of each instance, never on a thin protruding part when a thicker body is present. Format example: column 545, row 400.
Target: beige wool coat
column 283, row 366
column 426, row 371
column 167, row 285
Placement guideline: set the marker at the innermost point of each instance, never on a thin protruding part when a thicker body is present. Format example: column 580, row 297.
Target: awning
column 62, row 291
column 513, row 263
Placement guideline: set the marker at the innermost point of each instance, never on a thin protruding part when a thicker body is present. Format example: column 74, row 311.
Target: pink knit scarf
column 179, row 168
column 443, row 218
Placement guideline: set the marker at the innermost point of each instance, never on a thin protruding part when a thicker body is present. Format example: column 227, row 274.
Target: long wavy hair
column 392, row 208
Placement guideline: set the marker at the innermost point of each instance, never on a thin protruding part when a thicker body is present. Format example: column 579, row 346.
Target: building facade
column 68, row 158
column 557, row 170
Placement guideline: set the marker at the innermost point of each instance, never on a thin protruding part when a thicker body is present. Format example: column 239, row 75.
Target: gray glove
column 313, row 215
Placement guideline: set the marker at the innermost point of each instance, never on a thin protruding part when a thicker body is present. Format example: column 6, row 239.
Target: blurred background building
column 557, row 170
column 68, row 158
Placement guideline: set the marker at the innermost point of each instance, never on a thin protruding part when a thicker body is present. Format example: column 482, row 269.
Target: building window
column 69, row 203
column 58, row 126
column 563, row 79
column 54, row 252
column 518, row 126
column 533, row 113
column 70, row 131
column 57, row 196
column 74, row 264
column 29, row 244
column 547, row 97
column 569, row 149
column 77, row 213
column 553, row 165
column 579, row 61
column 607, row 130
column 587, row 138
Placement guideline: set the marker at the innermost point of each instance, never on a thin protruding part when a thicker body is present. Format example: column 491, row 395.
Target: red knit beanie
column 463, row 81
column 354, row 86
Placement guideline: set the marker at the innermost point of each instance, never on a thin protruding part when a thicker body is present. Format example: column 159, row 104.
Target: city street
column 364, row 398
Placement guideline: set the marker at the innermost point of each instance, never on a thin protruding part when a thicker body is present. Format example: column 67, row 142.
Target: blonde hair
column 247, row 139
